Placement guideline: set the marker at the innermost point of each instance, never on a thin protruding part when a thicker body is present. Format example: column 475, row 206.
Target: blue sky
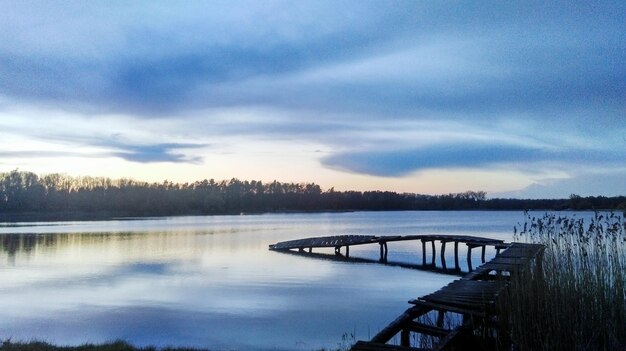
column 520, row 99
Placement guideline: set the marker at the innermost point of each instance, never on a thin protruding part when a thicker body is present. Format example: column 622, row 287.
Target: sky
column 518, row 99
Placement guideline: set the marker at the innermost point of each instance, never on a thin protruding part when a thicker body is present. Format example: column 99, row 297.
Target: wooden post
column 539, row 261
column 432, row 245
column 383, row 251
column 405, row 337
column 423, row 252
column 482, row 255
column 440, row 315
column 456, row 256
column 469, row 258
column 467, row 319
column 386, row 251
column 443, row 254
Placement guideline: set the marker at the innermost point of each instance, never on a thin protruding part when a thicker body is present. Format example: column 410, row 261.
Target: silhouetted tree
column 25, row 192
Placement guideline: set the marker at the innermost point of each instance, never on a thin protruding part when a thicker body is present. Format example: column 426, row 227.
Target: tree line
column 27, row 193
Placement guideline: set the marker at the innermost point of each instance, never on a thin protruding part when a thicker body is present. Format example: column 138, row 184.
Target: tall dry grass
column 574, row 299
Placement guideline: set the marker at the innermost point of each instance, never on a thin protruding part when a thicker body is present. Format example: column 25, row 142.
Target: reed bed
column 574, row 297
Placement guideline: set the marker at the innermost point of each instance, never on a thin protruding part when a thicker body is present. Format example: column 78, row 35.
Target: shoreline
column 65, row 216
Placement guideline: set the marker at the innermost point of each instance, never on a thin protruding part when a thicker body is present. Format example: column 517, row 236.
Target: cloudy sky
column 513, row 98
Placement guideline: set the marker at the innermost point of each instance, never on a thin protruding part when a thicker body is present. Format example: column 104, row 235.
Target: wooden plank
column 504, row 267
column 463, row 295
column 478, row 273
column 510, row 260
column 456, row 309
column 329, row 241
column 428, row 329
column 522, row 250
column 399, row 323
column 467, row 303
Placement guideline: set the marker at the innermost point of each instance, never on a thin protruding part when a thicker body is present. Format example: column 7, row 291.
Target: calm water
column 212, row 282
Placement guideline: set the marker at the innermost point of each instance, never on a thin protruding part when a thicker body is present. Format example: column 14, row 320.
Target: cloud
column 383, row 89
column 135, row 153
column 41, row 153
column 155, row 153
column 586, row 184
column 150, row 66
column 395, row 163
column 341, row 57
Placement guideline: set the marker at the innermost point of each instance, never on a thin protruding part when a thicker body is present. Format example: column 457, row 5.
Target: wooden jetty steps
column 339, row 241
column 470, row 300
column 473, row 298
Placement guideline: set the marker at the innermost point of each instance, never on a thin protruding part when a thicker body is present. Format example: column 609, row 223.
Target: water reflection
column 341, row 258
column 212, row 282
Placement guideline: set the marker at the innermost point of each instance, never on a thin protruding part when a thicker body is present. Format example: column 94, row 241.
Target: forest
column 26, row 195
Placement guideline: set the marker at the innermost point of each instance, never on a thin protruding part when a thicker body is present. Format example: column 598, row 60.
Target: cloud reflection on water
column 211, row 281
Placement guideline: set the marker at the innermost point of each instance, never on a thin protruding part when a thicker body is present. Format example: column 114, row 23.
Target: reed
column 574, row 298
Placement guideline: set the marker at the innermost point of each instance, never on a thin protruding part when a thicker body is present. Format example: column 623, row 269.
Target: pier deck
column 345, row 241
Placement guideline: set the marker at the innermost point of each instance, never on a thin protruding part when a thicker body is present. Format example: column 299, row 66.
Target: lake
column 211, row 282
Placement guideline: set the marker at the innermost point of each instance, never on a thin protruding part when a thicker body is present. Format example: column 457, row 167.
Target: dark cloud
column 165, row 78
column 155, row 153
column 393, row 163
column 519, row 57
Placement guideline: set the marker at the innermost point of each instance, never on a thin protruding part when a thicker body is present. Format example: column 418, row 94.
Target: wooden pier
column 470, row 300
column 345, row 241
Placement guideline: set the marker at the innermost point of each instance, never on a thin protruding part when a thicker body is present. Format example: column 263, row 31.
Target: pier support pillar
column 539, row 261
column 386, row 251
column 347, row 251
column 469, row 258
column 405, row 338
column 432, row 245
column 482, row 255
column 440, row 319
column 423, row 252
column 383, row 251
column 456, row 256
column 443, row 254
